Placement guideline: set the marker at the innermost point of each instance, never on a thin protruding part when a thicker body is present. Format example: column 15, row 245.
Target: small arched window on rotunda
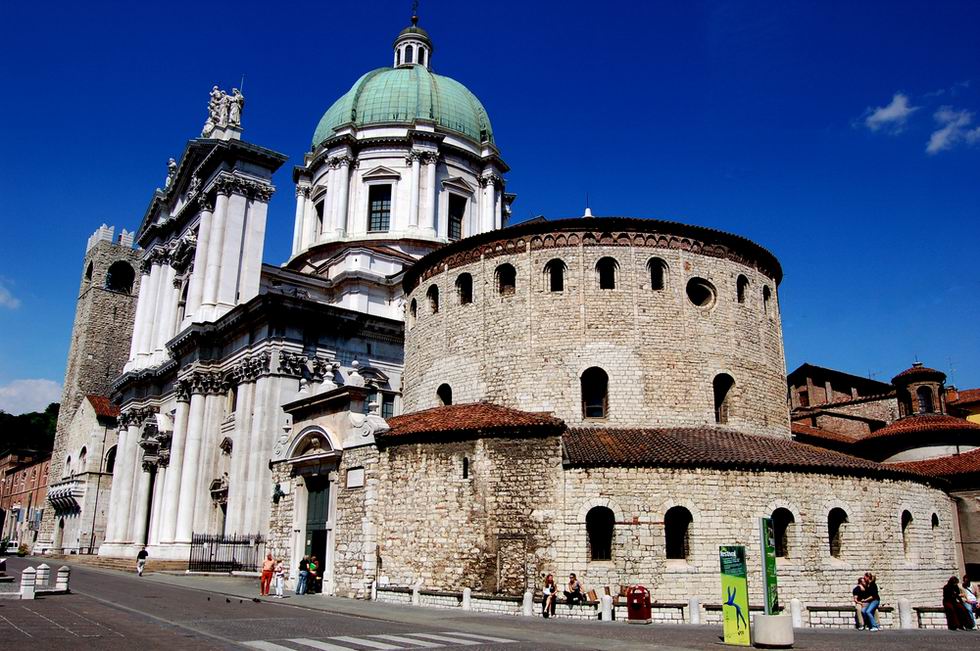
column 433, row 297
column 554, row 273
column 66, row 472
column 658, row 274
column 409, row 54
column 782, row 523
column 907, row 533
column 506, row 279
column 82, row 458
column 120, row 277
column 445, row 394
column 110, row 460
column 413, row 312
column 924, row 395
column 421, row 56
column 595, row 393
column 741, row 285
column 722, row 386
column 677, row 533
column 937, row 539
column 600, row 525
column 464, row 288
column 836, row 525
column 88, row 271
column 766, row 299
column 606, row 270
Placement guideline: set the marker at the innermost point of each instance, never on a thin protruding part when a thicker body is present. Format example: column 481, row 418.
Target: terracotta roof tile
column 965, row 397
column 918, row 371
column 709, row 447
column 103, row 407
column 799, row 429
column 924, row 424
column 849, row 400
column 473, row 418
column 957, row 464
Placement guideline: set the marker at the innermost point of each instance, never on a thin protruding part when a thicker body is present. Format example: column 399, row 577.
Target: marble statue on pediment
column 236, row 102
column 171, row 173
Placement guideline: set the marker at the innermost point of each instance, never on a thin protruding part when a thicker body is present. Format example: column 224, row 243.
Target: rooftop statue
column 224, row 110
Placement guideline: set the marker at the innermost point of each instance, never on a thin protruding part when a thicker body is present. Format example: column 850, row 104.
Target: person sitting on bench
column 573, row 595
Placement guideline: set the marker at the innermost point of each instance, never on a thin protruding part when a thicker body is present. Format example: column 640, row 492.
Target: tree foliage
column 33, row 431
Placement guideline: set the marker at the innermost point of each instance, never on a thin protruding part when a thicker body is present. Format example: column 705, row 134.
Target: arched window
column 782, row 522
column 836, row 524
column 658, row 274
column 722, row 386
column 421, row 56
column 413, row 312
column 67, row 470
column 82, row 457
column 433, row 296
column 595, row 393
column 457, row 211
column 506, row 279
column 924, row 394
column 88, row 271
column 701, row 293
column 398, row 57
column 182, row 304
column 554, row 273
column 740, row 286
column 464, row 288
column 232, row 401
column 937, row 538
column 466, row 467
column 606, row 269
column 766, row 298
column 409, row 54
column 110, row 460
column 677, row 532
column 445, row 394
column 120, row 277
column 907, row 532
column 600, row 523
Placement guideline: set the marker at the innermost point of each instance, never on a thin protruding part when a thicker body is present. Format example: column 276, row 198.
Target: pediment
column 458, row 183
column 381, row 172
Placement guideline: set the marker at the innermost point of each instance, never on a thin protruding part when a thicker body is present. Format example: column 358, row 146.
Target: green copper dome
column 405, row 94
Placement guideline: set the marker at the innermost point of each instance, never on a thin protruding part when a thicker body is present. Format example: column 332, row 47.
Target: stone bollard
column 43, row 576
column 693, row 611
column 374, row 590
column 467, row 596
column 796, row 610
column 905, row 619
column 606, row 608
column 416, row 597
column 28, row 583
column 527, row 607
column 61, row 581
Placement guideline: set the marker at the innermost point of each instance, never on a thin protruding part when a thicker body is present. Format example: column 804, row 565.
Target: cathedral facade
column 424, row 395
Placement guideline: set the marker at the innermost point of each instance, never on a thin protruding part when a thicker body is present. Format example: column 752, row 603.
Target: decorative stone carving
column 250, row 368
column 354, row 378
column 224, row 110
column 491, row 178
column 226, row 445
column 303, row 191
column 236, row 104
column 219, row 489
column 206, row 383
column 182, row 390
column 230, row 184
column 171, row 173
column 365, row 425
column 182, row 253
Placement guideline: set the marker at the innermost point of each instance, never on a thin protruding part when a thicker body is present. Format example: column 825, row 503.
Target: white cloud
column 22, row 396
column 890, row 118
column 953, row 129
column 7, row 299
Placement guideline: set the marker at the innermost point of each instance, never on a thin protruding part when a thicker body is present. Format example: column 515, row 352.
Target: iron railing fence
column 221, row 553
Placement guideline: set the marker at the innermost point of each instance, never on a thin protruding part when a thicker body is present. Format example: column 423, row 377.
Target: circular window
column 701, row 292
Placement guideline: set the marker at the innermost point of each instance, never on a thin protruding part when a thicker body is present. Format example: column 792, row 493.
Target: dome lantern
column 413, row 46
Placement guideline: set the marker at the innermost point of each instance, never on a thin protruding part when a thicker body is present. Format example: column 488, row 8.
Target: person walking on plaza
column 141, row 561
column 858, row 595
column 304, row 572
column 268, row 565
column 871, row 601
column 550, row 596
column 957, row 618
column 279, row 578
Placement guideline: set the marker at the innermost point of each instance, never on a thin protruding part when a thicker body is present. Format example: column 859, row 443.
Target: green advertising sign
column 735, row 595
column 767, row 538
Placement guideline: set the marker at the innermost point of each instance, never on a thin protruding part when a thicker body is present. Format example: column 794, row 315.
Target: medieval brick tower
column 100, row 341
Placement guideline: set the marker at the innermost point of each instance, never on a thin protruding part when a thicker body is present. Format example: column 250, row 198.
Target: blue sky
column 845, row 137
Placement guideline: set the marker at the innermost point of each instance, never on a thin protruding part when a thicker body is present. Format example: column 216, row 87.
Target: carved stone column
column 142, row 304
column 413, row 206
column 431, row 159
column 195, row 293
column 301, row 193
column 111, row 534
column 212, row 273
column 190, row 467
column 342, row 188
column 171, row 492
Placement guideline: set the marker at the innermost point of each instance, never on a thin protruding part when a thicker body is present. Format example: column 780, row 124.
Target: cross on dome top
column 413, row 46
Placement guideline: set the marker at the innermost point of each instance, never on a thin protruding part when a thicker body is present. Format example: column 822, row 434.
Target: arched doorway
column 314, row 469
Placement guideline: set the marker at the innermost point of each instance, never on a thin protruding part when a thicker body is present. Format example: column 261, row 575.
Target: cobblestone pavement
column 117, row 610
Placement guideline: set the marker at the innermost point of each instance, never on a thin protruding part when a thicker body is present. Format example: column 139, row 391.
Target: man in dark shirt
column 573, row 595
column 859, row 594
column 141, row 561
column 304, row 573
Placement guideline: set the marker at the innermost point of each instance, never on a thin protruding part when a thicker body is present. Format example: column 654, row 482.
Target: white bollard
column 905, row 613
column 28, row 583
column 416, row 597
column 43, row 576
column 527, row 607
column 374, row 590
column 467, row 597
column 61, row 582
column 606, row 608
column 796, row 610
column 693, row 611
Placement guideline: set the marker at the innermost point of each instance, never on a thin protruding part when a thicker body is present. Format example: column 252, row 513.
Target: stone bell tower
column 100, row 339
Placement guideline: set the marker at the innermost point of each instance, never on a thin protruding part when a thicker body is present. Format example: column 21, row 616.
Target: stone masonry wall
column 661, row 352
column 355, row 539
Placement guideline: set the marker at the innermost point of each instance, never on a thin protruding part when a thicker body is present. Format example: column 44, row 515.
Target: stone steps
column 118, row 564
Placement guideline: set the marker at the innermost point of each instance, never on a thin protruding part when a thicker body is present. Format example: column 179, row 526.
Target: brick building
column 23, row 486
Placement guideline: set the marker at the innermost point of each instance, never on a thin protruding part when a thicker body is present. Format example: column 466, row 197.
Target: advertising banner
column 735, row 595
column 767, row 538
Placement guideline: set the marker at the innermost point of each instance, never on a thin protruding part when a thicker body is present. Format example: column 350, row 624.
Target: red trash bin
column 638, row 605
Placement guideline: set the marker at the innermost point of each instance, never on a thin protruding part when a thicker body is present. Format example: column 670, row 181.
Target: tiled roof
column 849, row 400
column 799, row 429
column 478, row 418
column 924, row 424
column 709, row 447
column 918, row 371
column 957, row 464
column 103, row 407
column 965, row 397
